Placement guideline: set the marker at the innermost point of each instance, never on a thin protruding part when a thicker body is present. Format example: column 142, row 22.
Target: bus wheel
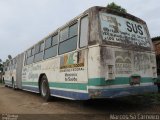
column 44, row 89
column 3, row 81
column 13, row 84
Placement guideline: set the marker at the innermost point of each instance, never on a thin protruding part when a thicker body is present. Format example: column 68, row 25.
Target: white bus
column 99, row 54
column 12, row 76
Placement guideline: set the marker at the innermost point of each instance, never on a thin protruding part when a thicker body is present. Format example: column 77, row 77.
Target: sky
column 25, row 22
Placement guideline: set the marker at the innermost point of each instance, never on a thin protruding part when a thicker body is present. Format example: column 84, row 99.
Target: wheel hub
column 44, row 88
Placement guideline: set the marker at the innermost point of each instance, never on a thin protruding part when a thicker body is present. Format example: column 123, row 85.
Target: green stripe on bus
column 117, row 81
column 96, row 81
column 76, row 86
column 91, row 82
column 30, row 83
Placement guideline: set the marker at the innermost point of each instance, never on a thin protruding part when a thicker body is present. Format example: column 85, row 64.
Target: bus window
column 48, row 43
column 30, row 56
column 51, row 47
column 37, row 49
column 29, row 53
column 32, row 51
column 41, row 46
column 64, row 34
column 73, row 30
column 70, row 43
column 39, row 52
column 84, row 32
column 55, row 40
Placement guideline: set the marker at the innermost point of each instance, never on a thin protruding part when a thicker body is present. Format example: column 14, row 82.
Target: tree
column 9, row 57
column 1, row 66
column 116, row 7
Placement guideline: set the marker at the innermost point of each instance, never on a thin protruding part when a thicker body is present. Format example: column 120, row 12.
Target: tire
column 44, row 89
column 13, row 84
column 3, row 81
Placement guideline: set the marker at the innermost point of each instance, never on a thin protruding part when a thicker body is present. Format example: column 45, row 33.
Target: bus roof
column 114, row 12
column 95, row 9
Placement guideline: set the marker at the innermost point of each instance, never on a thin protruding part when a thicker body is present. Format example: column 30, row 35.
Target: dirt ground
column 21, row 102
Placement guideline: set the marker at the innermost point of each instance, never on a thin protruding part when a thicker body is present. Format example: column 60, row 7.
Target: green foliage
column 116, row 7
column 1, row 66
column 9, row 57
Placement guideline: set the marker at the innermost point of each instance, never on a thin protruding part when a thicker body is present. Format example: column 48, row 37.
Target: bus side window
column 30, row 56
column 25, row 59
column 84, row 32
column 51, row 47
column 68, row 39
column 39, row 52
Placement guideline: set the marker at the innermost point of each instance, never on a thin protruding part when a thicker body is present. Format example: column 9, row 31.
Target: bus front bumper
column 97, row 92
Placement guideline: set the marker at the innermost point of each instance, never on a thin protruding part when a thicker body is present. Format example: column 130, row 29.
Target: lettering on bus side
column 71, row 77
column 131, row 27
column 141, row 62
column 121, row 30
column 123, row 63
column 72, row 66
column 28, row 72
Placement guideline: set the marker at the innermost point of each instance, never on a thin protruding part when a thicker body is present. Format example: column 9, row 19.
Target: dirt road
column 21, row 102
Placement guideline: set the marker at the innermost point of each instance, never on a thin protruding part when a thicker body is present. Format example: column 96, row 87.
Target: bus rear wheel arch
column 44, row 88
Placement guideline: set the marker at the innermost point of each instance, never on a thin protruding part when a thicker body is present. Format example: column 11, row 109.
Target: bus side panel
column 69, row 77
column 19, row 67
column 94, row 66
column 7, row 78
column 30, row 77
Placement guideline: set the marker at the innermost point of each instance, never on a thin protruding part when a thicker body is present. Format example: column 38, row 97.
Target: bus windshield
column 116, row 29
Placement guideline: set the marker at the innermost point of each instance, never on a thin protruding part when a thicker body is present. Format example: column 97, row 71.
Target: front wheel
column 44, row 89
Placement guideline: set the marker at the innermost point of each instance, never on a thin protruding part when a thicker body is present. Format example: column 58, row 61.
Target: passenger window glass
column 41, row 46
column 29, row 53
column 51, row 52
column 48, row 43
column 68, row 45
column 54, row 40
column 84, row 32
column 38, row 57
column 64, row 34
column 73, row 30
column 37, row 48
column 32, row 51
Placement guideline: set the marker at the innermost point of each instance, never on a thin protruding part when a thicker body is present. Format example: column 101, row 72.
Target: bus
column 101, row 53
column 9, row 76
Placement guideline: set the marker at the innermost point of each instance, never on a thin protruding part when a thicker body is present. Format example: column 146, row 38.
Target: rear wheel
column 3, row 81
column 44, row 89
column 13, row 84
